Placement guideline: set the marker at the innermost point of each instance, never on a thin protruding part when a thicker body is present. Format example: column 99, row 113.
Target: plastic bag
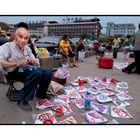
column 81, row 55
column 42, row 52
column 63, row 72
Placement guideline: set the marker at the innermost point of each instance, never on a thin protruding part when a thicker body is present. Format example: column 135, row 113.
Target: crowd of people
column 18, row 51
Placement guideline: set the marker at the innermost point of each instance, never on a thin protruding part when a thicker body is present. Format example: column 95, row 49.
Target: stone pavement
column 10, row 113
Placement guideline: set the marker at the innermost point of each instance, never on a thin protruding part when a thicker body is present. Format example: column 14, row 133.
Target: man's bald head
column 22, row 30
column 21, row 37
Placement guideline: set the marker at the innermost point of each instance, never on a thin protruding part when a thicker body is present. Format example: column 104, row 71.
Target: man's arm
column 32, row 60
column 4, row 54
column 123, row 43
column 6, row 64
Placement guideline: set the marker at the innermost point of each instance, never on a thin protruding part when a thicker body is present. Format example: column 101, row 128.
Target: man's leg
column 115, row 53
column 44, row 83
column 137, row 61
column 32, row 79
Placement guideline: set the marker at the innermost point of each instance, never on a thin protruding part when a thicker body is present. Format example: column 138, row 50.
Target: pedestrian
column 32, row 47
column 16, row 55
column 99, row 50
column 136, row 49
column 109, row 46
column 116, row 45
column 126, row 46
column 80, row 49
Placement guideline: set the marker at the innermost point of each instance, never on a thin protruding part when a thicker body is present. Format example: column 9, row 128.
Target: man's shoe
column 24, row 105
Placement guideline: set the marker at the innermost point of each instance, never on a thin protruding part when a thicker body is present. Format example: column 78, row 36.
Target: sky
column 103, row 19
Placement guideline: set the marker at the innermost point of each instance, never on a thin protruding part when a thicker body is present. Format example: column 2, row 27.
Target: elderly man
column 17, row 60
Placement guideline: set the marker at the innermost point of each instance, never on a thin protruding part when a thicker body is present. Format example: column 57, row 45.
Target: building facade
column 76, row 29
column 36, row 28
column 120, row 29
column 11, row 28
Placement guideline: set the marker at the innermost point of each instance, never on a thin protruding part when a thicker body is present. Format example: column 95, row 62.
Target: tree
column 4, row 26
column 83, row 35
column 105, row 38
column 34, row 36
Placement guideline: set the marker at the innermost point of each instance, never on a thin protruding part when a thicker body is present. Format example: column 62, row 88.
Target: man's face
column 22, row 38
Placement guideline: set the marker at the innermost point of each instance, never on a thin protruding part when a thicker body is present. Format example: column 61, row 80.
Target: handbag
column 55, row 88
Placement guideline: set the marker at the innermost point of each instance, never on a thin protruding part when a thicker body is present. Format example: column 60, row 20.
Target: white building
column 45, row 29
column 120, row 29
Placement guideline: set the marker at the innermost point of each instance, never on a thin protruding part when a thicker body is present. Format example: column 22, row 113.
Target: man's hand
column 31, row 61
column 22, row 63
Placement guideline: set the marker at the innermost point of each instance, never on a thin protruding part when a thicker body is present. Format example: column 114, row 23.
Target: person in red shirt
column 98, row 49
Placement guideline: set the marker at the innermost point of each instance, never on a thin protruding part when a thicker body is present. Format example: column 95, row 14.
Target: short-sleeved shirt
column 126, row 42
column 64, row 45
column 116, row 42
column 11, row 53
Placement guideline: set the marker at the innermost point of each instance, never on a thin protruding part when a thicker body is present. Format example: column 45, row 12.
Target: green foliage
column 110, row 38
column 34, row 36
column 4, row 26
column 103, row 39
column 83, row 35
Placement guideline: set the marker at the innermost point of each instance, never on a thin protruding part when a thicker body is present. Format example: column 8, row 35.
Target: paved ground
column 10, row 113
